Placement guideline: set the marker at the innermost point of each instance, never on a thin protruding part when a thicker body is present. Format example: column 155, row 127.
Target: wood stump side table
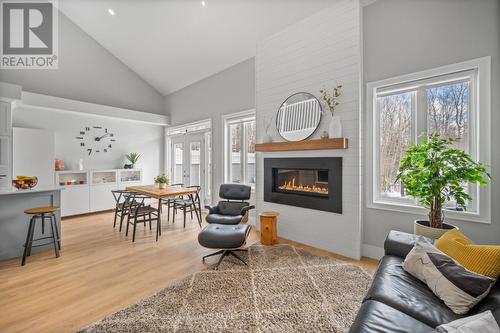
column 268, row 228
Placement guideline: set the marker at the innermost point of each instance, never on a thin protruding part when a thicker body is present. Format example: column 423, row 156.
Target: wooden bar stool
column 41, row 213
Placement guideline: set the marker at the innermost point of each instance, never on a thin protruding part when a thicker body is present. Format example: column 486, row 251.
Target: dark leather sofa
column 398, row 302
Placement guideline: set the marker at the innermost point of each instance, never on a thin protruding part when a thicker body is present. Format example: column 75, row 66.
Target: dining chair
column 121, row 205
column 139, row 212
column 189, row 204
column 169, row 202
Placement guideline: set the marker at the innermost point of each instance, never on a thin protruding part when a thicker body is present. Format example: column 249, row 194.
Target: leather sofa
column 398, row 302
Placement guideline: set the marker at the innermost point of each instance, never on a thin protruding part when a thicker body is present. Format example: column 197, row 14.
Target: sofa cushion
column 378, row 317
column 490, row 302
column 398, row 289
column 480, row 323
column 459, row 288
column 482, row 259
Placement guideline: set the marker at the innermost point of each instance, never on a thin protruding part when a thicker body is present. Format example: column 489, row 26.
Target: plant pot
column 162, row 186
column 422, row 228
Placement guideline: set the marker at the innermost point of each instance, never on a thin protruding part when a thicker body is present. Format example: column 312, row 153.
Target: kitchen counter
column 36, row 189
column 14, row 223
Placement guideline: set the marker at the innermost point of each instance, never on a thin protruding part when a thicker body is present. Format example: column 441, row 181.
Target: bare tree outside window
column 448, row 112
column 395, row 139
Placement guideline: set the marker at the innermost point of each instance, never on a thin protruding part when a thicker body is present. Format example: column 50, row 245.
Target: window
column 239, row 138
column 446, row 100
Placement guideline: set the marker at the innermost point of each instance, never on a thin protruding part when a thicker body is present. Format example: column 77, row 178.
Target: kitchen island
column 14, row 223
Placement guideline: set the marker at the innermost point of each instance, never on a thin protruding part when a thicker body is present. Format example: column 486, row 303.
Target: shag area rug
column 283, row 289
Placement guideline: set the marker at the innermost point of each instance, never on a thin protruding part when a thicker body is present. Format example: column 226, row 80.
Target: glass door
column 188, row 165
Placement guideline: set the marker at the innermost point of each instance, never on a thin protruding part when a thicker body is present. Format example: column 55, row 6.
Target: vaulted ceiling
column 174, row 43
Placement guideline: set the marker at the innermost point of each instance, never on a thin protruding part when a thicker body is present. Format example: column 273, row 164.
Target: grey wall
column 405, row 36
column 226, row 92
column 88, row 72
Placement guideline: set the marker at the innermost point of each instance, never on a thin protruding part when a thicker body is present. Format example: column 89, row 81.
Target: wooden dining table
column 154, row 191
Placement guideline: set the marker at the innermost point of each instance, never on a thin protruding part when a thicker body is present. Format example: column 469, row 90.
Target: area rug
column 283, row 289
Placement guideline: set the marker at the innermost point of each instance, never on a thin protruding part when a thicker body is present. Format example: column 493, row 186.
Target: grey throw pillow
column 480, row 323
column 459, row 288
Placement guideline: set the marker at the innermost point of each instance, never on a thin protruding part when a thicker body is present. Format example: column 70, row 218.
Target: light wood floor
column 99, row 272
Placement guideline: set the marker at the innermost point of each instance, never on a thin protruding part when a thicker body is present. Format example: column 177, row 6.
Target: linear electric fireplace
column 314, row 183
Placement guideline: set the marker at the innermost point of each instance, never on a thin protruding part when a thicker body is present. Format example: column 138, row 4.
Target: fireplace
column 314, row 183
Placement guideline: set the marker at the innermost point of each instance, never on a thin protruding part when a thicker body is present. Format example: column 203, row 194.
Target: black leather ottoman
column 228, row 238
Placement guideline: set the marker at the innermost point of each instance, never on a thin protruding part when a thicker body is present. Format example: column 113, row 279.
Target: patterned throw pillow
column 482, row 259
column 483, row 322
column 459, row 288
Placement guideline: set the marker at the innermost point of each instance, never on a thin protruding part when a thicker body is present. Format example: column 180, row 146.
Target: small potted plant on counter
column 435, row 173
column 132, row 158
column 162, row 181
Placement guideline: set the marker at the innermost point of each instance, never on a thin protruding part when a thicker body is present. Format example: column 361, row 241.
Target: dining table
column 169, row 192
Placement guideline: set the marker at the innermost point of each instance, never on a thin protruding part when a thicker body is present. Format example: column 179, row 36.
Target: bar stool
column 41, row 213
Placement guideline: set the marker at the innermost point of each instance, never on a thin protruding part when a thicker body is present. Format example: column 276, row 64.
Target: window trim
column 480, row 133
column 227, row 120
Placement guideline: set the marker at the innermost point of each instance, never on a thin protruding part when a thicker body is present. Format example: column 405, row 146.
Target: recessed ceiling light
column 111, row 12
column 203, row 3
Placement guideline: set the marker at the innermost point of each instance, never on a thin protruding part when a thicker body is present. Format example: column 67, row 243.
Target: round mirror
column 298, row 117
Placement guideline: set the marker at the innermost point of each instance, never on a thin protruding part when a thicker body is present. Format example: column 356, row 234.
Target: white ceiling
column 174, row 43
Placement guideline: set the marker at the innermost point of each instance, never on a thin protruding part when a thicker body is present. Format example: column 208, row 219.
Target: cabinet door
column 5, row 119
column 75, row 200
column 101, row 197
column 5, row 182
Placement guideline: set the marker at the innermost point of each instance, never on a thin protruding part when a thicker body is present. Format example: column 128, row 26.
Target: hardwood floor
column 99, row 272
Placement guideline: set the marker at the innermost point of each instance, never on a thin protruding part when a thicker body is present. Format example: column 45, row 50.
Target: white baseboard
column 371, row 251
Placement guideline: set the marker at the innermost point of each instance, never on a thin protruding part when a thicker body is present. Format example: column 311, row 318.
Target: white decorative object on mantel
column 335, row 127
column 267, row 138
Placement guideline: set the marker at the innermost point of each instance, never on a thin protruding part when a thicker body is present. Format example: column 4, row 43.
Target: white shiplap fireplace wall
column 319, row 51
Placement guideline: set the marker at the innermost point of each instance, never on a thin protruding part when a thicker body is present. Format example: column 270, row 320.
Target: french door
column 188, row 162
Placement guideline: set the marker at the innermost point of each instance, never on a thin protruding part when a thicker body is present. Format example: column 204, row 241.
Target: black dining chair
column 139, row 212
column 121, row 206
column 189, row 204
column 170, row 201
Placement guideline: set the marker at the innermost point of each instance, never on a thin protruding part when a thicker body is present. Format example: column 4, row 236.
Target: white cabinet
column 75, row 200
column 129, row 177
column 101, row 197
column 5, row 146
column 90, row 191
column 5, row 118
column 102, row 183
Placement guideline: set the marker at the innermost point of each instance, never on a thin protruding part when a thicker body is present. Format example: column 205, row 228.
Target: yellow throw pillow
column 482, row 259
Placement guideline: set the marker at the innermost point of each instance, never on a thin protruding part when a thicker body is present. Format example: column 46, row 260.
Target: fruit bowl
column 25, row 182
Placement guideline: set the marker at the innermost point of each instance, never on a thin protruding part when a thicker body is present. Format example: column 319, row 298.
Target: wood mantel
column 337, row 143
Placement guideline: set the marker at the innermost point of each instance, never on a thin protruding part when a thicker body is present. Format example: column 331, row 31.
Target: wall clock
column 96, row 139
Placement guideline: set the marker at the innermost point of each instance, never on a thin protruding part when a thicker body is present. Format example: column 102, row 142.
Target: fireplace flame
column 290, row 186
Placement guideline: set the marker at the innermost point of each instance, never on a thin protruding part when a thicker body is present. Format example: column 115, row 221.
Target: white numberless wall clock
column 96, row 139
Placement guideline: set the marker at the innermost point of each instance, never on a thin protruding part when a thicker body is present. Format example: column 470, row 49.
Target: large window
column 446, row 100
column 239, row 139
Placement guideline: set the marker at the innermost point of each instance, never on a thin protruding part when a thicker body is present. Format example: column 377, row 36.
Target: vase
column 335, row 127
column 266, row 138
column 163, row 186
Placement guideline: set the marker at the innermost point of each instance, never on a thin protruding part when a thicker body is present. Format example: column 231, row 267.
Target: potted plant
column 434, row 173
column 162, row 181
column 132, row 158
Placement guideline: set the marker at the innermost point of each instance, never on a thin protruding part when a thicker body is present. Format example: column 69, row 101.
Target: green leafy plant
column 133, row 158
column 162, row 179
column 331, row 100
column 434, row 173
